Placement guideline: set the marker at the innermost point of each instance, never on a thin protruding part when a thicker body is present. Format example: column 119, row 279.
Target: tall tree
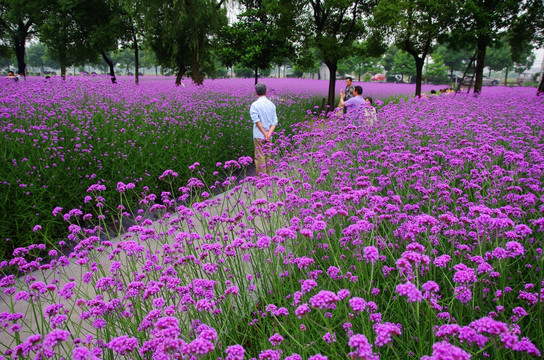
column 307, row 61
column 19, row 20
column 529, row 26
column 455, row 60
column 525, row 62
column 63, row 40
column 124, row 57
column 437, row 70
column 261, row 36
column 414, row 26
column 333, row 27
column 482, row 23
column 5, row 50
column 359, row 63
column 75, row 37
column 38, row 57
column 182, row 34
column 403, row 64
column 389, row 58
column 499, row 58
column 133, row 10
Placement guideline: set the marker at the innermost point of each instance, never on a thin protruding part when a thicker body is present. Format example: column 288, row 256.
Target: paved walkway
column 74, row 272
column 233, row 201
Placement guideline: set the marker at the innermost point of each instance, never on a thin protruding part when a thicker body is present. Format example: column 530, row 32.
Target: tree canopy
column 333, row 27
column 414, row 26
column 482, row 23
column 262, row 36
column 193, row 37
column 181, row 34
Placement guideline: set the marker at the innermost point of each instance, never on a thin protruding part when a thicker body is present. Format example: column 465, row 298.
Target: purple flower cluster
column 419, row 234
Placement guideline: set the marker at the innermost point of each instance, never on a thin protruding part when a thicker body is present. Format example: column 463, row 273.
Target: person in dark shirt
column 11, row 75
column 348, row 92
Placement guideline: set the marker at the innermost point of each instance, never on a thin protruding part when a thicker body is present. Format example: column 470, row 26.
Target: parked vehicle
column 378, row 77
column 525, row 77
column 455, row 78
column 486, row 80
column 396, row 78
column 490, row 81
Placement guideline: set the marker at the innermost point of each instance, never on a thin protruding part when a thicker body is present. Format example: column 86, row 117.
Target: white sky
column 538, row 61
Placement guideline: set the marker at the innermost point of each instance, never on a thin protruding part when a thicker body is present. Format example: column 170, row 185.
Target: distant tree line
column 194, row 37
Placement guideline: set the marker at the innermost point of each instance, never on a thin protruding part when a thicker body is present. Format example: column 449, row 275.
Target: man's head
column 349, row 79
column 11, row 73
column 358, row 90
column 260, row 89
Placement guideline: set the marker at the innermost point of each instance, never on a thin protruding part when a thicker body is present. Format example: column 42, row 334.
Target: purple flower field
column 59, row 138
column 416, row 236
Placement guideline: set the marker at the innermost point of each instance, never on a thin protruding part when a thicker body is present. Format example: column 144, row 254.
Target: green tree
column 307, row 61
column 63, row 41
column 5, row 50
column 74, row 37
column 243, row 71
column 133, row 9
column 359, row 63
column 262, row 35
column 499, row 57
column 481, row 23
column 388, row 58
column 528, row 27
column 182, row 34
column 148, row 59
column 333, row 27
column 124, row 57
column 437, row 70
column 8, row 59
column 415, row 26
column 19, row 21
column 403, row 64
column 38, row 57
column 524, row 63
column 455, row 60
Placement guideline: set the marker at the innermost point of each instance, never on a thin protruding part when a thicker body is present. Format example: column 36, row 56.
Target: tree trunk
column 63, row 71
column 419, row 74
column 332, row 66
column 541, row 86
column 195, row 68
column 110, row 64
column 506, row 77
column 256, row 75
column 20, row 42
column 136, row 55
column 480, row 58
column 179, row 76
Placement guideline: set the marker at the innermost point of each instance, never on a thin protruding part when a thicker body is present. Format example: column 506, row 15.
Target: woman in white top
column 370, row 111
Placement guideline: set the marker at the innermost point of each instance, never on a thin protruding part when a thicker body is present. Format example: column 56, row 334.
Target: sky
column 538, row 61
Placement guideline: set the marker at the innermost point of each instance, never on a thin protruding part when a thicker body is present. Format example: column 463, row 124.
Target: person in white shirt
column 264, row 117
column 370, row 111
